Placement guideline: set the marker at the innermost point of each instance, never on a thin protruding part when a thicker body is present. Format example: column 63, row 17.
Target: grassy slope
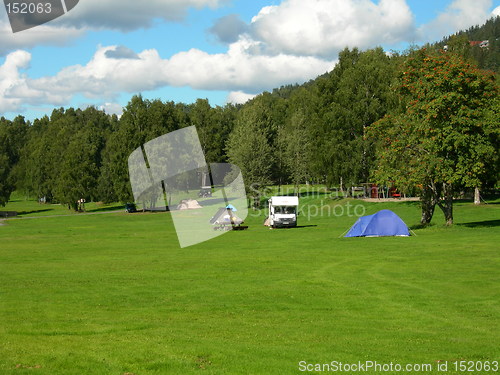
column 111, row 294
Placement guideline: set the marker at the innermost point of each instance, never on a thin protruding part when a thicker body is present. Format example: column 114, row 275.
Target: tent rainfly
column 188, row 204
column 380, row 224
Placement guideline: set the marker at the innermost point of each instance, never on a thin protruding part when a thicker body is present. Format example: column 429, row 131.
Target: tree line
column 77, row 153
column 425, row 120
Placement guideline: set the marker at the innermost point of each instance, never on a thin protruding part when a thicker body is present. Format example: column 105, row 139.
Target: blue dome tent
column 382, row 223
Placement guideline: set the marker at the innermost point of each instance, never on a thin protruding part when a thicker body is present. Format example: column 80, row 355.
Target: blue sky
column 102, row 53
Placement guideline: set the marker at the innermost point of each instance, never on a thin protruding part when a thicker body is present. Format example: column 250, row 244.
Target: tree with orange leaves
column 441, row 137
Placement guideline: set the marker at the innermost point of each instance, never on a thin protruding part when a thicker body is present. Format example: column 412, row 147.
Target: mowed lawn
column 114, row 294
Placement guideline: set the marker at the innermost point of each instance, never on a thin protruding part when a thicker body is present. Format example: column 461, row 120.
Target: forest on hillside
column 469, row 44
column 425, row 120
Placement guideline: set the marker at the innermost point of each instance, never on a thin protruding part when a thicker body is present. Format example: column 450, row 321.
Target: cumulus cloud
column 105, row 77
column 324, row 27
column 128, row 15
column 10, row 75
column 112, row 108
column 121, row 52
column 14, row 85
column 496, row 12
column 459, row 15
column 122, row 15
column 45, row 34
column 239, row 97
column 288, row 43
column 229, row 28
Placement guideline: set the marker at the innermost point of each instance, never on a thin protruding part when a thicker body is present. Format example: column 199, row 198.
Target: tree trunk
column 256, row 202
column 477, row 196
column 73, row 206
column 447, row 204
column 428, row 205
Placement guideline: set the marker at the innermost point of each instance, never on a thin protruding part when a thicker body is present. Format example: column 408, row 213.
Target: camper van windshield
column 284, row 210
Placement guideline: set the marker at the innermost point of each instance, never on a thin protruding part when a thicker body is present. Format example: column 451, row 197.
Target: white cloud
column 105, row 78
column 496, row 11
column 122, row 15
column 239, row 97
column 228, row 28
column 241, row 69
column 41, row 35
column 112, row 108
column 10, row 75
column 284, row 44
column 324, row 27
column 459, row 15
column 127, row 15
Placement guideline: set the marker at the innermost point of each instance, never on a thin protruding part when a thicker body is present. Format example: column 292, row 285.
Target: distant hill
column 481, row 43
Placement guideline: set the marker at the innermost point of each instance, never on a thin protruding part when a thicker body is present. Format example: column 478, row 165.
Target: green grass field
column 114, row 293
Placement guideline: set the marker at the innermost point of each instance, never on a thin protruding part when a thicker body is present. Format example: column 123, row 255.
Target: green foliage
column 59, row 150
column 442, row 139
column 12, row 138
column 354, row 95
column 254, row 144
column 248, row 148
column 486, row 57
column 295, row 137
column 213, row 126
column 5, row 189
column 310, row 133
column 79, row 171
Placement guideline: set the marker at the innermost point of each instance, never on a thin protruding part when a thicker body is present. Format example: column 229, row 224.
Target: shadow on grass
column 421, row 226
column 21, row 213
column 306, row 226
column 481, row 224
column 410, row 203
column 213, row 202
column 105, row 209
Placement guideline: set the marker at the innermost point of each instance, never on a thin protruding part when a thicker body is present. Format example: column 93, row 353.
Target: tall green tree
column 295, row 139
column 353, row 96
column 248, row 148
column 142, row 121
column 80, row 169
column 13, row 137
column 441, row 139
column 5, row 165
column 212, row 130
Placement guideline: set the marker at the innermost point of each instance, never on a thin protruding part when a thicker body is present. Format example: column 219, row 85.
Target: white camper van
column 283, row 211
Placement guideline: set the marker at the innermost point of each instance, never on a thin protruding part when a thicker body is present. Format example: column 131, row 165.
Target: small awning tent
column 382, row 223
